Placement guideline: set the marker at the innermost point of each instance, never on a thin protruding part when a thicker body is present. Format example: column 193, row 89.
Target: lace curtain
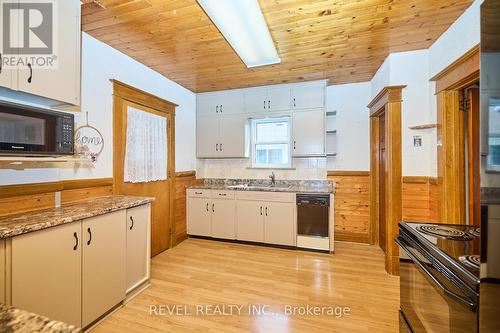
column 145, row 147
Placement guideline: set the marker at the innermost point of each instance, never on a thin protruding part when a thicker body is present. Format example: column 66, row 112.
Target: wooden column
column 387, row 104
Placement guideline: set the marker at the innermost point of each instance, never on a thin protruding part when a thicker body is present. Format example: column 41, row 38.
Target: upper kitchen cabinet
column 308, row 133
column 271, row 99
column 224, row 136
column 219, row 103
column 48, row 65
column 308, row 95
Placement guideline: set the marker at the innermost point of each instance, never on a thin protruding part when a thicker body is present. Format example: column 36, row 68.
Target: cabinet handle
column 264, row 105
column 198, row 192
column 294, row 104
column 266, row 211
column 294, row 145
column 31, row 73
column 220, row 109
column 222, row 194
column 76, row 241
column 90, row 234
column 207, row 206
column 269, row 104
column 260, row 210
column 132, row 225
column 216, row 109
column 213, row 208
column 216, row 147
column 220, row 147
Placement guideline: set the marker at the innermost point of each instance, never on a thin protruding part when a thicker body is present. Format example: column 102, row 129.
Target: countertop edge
column 271, row 190
column 9, row 232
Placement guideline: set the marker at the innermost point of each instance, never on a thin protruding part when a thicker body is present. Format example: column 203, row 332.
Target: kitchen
column 175, row 173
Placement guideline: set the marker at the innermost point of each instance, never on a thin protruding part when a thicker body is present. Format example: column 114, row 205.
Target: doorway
column 127, row 98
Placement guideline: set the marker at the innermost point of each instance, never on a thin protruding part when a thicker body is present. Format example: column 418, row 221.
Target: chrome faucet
column 273, row 178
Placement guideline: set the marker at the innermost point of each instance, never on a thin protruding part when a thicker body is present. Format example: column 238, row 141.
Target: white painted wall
column 100, row 63
column 352, row 124
column 460, row 37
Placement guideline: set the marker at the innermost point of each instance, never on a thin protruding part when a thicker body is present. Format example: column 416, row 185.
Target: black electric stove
column 439, row 269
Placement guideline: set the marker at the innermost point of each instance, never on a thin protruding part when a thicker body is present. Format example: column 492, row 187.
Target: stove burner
column 475, row 232
column 471, row 261
column 444, row 232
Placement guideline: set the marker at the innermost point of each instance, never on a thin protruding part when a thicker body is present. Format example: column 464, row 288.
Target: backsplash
column 313, row 168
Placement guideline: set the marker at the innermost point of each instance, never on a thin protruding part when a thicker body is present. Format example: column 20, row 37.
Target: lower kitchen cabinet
column 103, row 264
column 138, row 245
column 223, row 225
column 46, row 272
column 76, row 272
column 250, row 220
column 254, row 216
column 199, row 213
column 279, row 223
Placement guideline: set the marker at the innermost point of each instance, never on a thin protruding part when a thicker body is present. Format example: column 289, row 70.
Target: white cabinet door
column 280, row 223
column 233, row 138
column 308, row 133
column 199, row 217
column 308, row 96
column 250, row 221
column 138, row 245
column 207, row 136
column 231, row 102
column 207, row 104
column 279, row 98
column 255, row 100
column 103, row 264
column 46, row 272
column 223, row 224
column 63, row 82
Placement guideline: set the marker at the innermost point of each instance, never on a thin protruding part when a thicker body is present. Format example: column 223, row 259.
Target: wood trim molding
column 84, row 183
column 182, row 174
column 389, row 94
column 461, row 73
column 387, row 105
column 416, row 179
column 8, row 191
column 141, row 97
column 348, row 173
column 353, row 237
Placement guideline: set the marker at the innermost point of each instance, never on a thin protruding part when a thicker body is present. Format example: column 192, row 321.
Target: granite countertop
column 294, row 186
column 13, row 320
column 41, row 219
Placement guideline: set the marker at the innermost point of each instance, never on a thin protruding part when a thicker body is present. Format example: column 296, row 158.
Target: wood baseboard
column 353, row 237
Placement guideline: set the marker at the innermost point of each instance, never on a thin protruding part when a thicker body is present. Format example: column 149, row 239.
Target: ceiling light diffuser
column 243, row 25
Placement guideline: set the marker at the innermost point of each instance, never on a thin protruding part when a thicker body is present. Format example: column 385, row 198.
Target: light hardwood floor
column 203, row 272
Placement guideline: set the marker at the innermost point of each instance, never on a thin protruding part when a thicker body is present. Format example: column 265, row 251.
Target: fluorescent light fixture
column 243, row 25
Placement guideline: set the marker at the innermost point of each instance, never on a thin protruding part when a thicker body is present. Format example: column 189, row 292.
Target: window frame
column 253, row 127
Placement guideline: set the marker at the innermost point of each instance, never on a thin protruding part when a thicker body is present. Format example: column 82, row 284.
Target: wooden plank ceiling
column 344, row 41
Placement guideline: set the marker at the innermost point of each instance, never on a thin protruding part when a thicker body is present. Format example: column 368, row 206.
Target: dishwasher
column 313, row 211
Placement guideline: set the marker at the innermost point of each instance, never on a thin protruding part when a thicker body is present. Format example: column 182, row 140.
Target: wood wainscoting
column 16, row 199
column 352, row 205
column 419, row 199
column 182, row 180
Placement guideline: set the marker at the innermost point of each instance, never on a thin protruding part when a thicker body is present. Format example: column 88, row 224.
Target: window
column 271, row 143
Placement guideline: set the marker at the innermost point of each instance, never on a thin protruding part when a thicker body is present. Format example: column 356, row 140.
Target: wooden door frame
column 123, row 93
column 450, row 82
column 387, row 103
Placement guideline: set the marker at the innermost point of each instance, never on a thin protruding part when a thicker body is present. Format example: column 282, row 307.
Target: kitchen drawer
column 222, row 194
column 213, row 194
column 266, row 196
column 199, row 193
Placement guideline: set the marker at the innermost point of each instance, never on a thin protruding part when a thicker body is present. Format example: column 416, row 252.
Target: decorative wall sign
column 89, row 142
